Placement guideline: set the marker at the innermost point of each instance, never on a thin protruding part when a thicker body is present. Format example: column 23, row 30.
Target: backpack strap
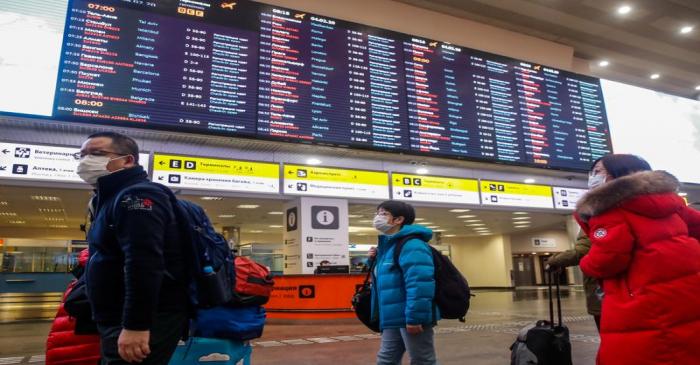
column 399, row 246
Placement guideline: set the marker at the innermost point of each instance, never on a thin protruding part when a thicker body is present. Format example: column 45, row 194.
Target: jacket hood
column 648, row 193
column 426, row 234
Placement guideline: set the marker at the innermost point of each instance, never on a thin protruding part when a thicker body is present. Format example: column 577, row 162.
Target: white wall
column 522, row 243
column 484, row 261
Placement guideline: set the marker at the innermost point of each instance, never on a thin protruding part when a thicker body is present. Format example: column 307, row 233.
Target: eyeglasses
column 81, row 154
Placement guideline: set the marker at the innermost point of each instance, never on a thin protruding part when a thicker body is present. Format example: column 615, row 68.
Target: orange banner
column 313, row 296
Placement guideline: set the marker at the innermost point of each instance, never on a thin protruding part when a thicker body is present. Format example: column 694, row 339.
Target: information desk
column 313, row 296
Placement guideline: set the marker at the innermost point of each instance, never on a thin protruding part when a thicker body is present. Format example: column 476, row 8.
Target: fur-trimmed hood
column 621, row 190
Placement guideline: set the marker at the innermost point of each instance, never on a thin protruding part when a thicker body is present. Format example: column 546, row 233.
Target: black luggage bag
column 544, row 343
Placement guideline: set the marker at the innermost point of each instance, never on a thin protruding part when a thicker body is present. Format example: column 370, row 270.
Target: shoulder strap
column 399, row 246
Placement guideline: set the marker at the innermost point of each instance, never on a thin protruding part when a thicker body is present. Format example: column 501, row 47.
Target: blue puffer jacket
column 400, row 299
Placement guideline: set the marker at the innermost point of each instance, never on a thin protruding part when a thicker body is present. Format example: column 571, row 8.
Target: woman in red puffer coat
column 63, row 346
column 645, row 250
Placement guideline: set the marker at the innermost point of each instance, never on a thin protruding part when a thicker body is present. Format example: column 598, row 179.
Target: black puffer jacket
column 137, row 263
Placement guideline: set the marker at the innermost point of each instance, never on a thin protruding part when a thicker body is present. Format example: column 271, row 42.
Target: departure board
column 179, row 65
column 473, row 104
column 243, row 68
column 329, row 81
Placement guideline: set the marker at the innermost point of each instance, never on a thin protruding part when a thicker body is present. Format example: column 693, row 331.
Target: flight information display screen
column 330, row 81
column 472, row 104
column 242, row 68
column 181, row 65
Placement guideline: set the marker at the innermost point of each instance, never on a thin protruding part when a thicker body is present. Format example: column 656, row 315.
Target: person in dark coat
column 645, row 250
column 136, row 276
column 591, row 287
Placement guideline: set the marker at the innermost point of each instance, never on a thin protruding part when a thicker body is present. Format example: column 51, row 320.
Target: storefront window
column 31, row 256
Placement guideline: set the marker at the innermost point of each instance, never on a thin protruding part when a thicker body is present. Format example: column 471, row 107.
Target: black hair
column 121, row 144
column 399, row 209
column 619, row 165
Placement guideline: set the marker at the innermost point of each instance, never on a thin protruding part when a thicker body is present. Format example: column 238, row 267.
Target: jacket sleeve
column 611, row 247
column 692, row 219
column 573, row 256
column 416, row 261
column 141, row 218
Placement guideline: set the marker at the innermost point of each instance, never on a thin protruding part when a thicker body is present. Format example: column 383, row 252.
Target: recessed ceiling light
column 529, row 181
column 431, row 227
column 58, row 226
column 439, row 230
column 226, row 215
column 54, row 219
column 624, row 9
column 255, row 231
column 358, row 216
column 313, row 161
column 522, row 226
column 275, row 213
column 654, row 76
column 460, row 210
column 521, row 213
column 211, row 198
column 275, row 226
column 604, row 63
column 466, row 216
column 366, row 221
column 45, row 198
column 697, row 88
column 520, row 218
column 422, row 171
column 427, row 223
column 17, row 222
column 8, row 214
column 476, row 225
column 485, row 234
column 248, row 206
column 686, row 29
column 450, row 235
column 3, row 203
column 473, row 221
column 419, row 219
column 360, row 234
column 51, row 210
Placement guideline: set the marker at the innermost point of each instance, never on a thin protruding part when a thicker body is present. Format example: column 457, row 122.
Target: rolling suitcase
column 212, row 351
column 544, row 343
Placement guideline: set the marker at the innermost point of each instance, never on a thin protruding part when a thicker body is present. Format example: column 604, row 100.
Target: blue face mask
column 595, row 181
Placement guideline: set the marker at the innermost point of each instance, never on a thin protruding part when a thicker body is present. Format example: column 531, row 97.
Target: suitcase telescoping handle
column 553, row 276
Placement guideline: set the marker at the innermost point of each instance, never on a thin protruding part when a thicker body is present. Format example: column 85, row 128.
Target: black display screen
column 330, row 81
column 180, row 65
column 240, row 68
column 472, row 104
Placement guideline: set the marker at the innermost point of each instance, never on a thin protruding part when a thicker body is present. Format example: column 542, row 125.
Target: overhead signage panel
column 215, row 174
column 499, row 193
column 434, row 189
column 566, row 198
column 43, row 163
column 333, row 182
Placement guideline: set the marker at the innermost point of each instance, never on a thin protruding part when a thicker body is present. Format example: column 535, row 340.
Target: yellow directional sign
column 216, row 174
column 435, row 189
column 335, row 182
column 515, row 194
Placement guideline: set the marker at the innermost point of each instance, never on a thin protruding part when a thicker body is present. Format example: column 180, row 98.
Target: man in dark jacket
column 572, row 257
column 136, row 274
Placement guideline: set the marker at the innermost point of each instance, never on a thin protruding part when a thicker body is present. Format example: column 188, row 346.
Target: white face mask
column 381, row 224
column 595, row 181
column 91, row 168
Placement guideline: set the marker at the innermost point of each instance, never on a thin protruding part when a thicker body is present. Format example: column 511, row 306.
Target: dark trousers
column 167, row 329
column 597, row 322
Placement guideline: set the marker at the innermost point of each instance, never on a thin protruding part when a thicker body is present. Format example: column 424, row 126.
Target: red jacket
column 646, row 252
column 63, row 347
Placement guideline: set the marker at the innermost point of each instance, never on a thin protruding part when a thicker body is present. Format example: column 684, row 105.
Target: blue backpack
column 211, row 261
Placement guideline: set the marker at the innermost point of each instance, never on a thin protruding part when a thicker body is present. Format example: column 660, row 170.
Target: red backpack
column 253, row 282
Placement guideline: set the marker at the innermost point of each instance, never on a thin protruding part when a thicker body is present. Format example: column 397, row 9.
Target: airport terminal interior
column 290, row 121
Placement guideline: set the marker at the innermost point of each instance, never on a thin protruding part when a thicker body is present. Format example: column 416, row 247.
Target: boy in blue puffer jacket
column 403, row 298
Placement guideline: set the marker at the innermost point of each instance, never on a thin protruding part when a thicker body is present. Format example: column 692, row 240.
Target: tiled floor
column 491, row 327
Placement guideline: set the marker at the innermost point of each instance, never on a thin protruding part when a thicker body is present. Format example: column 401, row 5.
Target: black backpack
column 452, row 293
